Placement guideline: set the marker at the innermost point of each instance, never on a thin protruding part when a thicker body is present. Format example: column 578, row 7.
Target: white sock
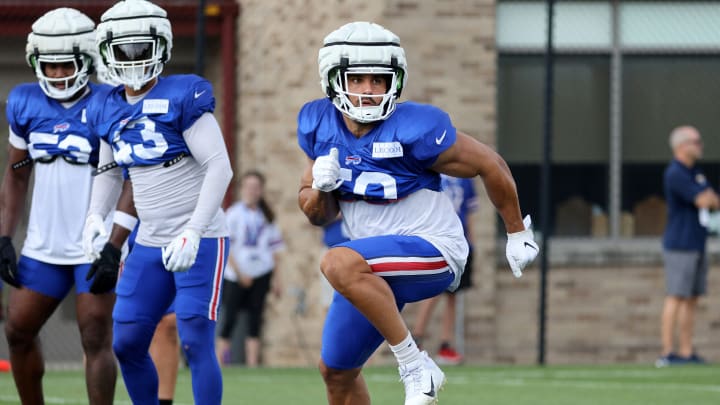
column 406, row 351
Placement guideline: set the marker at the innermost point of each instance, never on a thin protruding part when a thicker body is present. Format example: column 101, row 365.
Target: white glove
column 326, row 172
column 180, row 254
column 521, row 249
column 710, row 220
column 94, row 228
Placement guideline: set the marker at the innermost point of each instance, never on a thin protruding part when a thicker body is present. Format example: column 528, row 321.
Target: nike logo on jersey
column 528, row 244
column 431, row 393
column 439, row 140
column 197, row 95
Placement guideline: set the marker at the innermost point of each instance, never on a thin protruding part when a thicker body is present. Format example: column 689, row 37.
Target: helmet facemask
column 62, row 36
column 362, row 48
column 364, row 113
column 134, row 61
column 70, row 84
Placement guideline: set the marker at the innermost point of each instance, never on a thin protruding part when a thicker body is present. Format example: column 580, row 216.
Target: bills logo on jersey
column 61, row 127
column 352, row 160
column 387, row 150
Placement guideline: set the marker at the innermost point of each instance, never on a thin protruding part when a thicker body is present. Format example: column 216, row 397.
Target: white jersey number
column 154, row 144
column 385, row 180
column 76, row 145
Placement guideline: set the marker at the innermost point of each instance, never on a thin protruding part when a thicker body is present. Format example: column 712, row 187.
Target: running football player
column 379, row 163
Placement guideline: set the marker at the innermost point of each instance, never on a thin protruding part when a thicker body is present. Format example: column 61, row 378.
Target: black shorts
column 466, row 278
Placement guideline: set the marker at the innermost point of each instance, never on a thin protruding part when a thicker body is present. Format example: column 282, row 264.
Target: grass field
column 517, row 385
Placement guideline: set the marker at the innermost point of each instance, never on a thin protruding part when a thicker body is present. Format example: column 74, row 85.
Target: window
column 664, row 61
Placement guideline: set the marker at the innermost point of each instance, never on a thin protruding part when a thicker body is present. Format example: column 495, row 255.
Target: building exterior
column 481, row 62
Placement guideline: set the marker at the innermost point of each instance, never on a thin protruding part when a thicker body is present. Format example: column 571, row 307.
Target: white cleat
column 423, row 379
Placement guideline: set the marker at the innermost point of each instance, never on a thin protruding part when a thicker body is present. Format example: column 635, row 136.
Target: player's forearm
column 501, row 189
column 217, row 178
column 107, row 186
column 125, row 217
column 118, row 236
column 12, row 201
column 319, row 207
column 205, row 141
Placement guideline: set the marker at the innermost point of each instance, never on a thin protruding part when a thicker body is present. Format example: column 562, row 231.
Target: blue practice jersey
column 388, row 163
column 462, row 194
column 151, row 131
column 48, row 128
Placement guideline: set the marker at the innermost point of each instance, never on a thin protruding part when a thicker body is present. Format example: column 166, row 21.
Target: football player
column 378, row 162
column 162, row 130
column 165, row 345
column 48, row 133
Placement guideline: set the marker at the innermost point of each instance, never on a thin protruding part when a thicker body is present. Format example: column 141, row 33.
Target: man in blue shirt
column 686, row 191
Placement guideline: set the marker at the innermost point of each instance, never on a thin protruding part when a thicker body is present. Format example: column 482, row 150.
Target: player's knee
column 131, row 339
column 196, row 337
column 95, row 340
column 123, row 345
column 336, row 378
column 16, row 337
column 167, row 330
column 340, row 268
column 96, row 335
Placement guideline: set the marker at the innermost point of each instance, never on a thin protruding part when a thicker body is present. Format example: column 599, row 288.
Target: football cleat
column 423, row 379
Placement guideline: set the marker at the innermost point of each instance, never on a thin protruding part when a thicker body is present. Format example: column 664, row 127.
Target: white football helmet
column 63, row 35
column 135, row 39
column 362, row 48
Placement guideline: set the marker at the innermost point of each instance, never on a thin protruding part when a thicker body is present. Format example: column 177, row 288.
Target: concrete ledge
column 601, row 252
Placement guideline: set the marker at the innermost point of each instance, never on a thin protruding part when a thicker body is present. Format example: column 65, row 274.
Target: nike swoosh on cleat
column 431, row 393
column 530, row 245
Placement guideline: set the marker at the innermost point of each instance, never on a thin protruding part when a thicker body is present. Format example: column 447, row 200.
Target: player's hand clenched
column 521, row 249
column 94, row 228
column 180, row 254
column 8, row 262
column 105, row 270
column 326, row 172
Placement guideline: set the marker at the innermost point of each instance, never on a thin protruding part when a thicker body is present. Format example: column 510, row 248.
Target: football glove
column 104, row 270
column 180, row 254
column 521, row 249
column 8, row 262
column 94, row 228
column 326, row 172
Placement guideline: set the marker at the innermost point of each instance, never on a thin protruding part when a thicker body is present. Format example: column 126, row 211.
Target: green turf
column 517, row 385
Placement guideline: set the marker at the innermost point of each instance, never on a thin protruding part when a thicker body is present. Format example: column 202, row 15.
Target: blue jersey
column 462, row 194
column 683, row 230
column 49, row 129
column 464, row 199
column 388, row 163
column 151, row 131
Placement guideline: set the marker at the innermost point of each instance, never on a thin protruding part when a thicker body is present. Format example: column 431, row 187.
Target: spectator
column 686, row 191
column 252, row 271
column 462, row 194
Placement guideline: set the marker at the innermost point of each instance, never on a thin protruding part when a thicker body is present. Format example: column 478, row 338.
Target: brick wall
column 604, row 304
column 451, row 59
